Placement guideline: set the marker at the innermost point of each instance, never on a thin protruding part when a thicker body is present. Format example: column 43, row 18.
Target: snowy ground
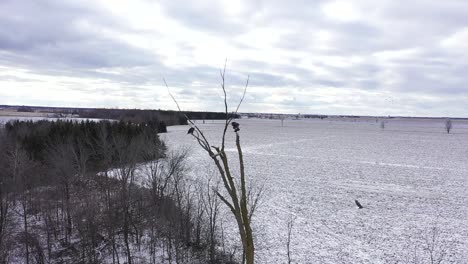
column 411, row 177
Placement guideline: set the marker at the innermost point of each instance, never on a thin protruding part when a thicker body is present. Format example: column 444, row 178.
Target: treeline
column 102, row 192
column 85, row 138
column 315, row 116
column 162, row 118
column 169, row 118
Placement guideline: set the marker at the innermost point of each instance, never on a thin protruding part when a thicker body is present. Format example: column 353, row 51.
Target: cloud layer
column 330, row 57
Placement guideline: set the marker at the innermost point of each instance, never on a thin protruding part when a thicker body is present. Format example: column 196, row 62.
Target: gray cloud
column 300, row 55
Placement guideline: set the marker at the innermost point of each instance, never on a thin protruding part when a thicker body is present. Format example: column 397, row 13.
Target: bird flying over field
column 190, row 131
column 358, row 204
column 235, row 126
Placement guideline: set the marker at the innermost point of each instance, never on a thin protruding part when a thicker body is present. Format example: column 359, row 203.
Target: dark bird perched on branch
column 235, row 126
column 190, row 131
column 358, row 204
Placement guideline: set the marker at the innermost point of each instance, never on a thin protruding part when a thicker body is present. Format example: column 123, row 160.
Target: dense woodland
column 105, row 192
column 161, row 117
column 139, row 116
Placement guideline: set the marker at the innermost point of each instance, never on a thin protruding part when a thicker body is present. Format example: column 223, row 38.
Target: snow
column 411, row 178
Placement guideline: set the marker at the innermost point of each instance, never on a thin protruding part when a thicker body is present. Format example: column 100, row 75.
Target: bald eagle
column 235, row 126
column 190, row 131
column 358, row 204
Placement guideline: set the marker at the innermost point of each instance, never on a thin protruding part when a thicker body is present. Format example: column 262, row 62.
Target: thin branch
column 223, row 86
column 243, row 95
column 226, row 202
column 256, row 200
column 203, row 143
column 167, row 86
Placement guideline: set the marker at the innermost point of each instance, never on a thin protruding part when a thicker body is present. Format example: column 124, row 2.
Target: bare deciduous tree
column 236, row 195
column 62, row 160
column 127, row 156
column 432, row 245
column 211, row 205
column 5, row 200
column 21, row 172
column 288, row 241
column 448, row 125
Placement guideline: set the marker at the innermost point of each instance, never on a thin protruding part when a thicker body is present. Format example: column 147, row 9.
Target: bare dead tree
column 21, row 172
column 4, row 223
column 127, row 156
column 5, row 200
column 62, row 160
column 199, row 214
column 288, row 241
column 211, row 204
column 103, row 145
column 236, row 191
column 448, row 125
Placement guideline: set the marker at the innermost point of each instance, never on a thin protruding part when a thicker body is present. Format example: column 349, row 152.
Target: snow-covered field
column 411, row 177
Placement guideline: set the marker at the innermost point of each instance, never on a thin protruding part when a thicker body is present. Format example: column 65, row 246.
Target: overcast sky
column 366, row 57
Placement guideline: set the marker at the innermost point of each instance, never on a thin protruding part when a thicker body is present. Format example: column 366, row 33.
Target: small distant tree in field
column 288, row 240
column 240, row 199
column 448, row 125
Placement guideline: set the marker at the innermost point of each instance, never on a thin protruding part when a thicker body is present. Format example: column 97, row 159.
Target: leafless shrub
column 431, row 245
column 211, row 204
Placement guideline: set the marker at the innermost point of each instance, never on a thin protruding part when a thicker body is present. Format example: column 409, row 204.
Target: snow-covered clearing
column 411, row 177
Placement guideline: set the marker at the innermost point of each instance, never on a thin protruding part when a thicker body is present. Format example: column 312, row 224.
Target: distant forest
column 170, row 118
column 100, row 192
column 163, row 117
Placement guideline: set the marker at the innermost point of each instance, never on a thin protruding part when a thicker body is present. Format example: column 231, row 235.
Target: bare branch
column 243, row 95
column 223, row 86
column 226, row 202
column 254, row 200
column 175, row 101
column 202, row 141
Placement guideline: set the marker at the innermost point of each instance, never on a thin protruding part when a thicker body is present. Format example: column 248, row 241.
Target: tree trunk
column 25, row 223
